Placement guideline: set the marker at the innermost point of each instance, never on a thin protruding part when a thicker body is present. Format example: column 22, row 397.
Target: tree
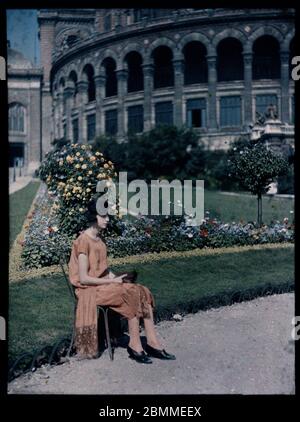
column 255, row 167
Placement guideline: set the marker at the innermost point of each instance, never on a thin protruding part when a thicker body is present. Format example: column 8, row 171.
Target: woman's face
column 102, row 221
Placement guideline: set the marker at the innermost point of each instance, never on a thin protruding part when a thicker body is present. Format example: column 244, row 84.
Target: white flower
column 46, row 232
column 190, row 235
column 55, row 228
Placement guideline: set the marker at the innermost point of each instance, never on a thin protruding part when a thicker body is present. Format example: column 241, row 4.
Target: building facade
column 115, row 71
column 24, row 111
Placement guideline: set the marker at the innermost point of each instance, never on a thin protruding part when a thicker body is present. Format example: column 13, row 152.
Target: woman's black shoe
column 160, row 354
column 139, row 357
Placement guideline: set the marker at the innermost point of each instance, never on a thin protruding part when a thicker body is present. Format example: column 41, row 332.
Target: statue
column 271, row 112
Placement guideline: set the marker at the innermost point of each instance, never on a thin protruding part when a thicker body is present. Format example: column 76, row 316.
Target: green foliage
column 255, row 167
column 165, row 152
column 112, row 150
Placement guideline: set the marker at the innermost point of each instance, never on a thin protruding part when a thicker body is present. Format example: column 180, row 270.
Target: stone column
column 212, row 90
column 56, row 114
column 82, row 101
column 100, row 94
column 285, row 82
column 178, row 65
column 68, row 98
column 122, row 76
column 60, row 113
column 248, row 114
column 148, row 90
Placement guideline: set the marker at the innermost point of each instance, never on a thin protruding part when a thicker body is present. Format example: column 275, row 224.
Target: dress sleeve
column 82, row 246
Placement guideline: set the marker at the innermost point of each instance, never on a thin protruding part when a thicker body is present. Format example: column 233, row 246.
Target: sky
column 22, row 32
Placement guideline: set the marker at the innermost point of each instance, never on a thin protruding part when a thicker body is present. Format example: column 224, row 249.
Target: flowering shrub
column 44, row 242
column 71, row 174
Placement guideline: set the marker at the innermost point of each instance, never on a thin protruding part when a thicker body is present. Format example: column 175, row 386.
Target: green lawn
column 228, row 208
column 19, row 205
column 40, row 310
column 244, row 207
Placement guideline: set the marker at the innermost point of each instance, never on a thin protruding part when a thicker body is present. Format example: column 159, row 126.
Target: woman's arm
column 85, row 279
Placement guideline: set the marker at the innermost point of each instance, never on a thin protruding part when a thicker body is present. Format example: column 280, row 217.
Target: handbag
column 130, row 277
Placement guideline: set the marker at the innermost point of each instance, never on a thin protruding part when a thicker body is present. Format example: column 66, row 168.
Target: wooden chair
column 104, row 309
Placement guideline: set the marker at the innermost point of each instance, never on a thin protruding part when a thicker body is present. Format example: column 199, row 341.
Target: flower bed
column 45, row 243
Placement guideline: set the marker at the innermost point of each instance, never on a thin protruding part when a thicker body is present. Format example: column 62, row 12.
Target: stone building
column 114, row 71
column 24, row 111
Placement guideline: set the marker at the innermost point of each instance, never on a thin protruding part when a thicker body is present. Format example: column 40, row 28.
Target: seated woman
column 96, row 285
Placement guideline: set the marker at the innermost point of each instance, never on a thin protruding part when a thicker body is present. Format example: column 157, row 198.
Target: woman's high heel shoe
column 140, row 357
column 160, row 354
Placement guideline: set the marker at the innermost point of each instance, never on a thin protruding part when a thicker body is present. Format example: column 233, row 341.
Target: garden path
column 246, row 348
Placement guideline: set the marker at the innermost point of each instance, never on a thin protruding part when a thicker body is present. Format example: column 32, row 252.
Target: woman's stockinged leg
column 134, row 333
column 150, row 331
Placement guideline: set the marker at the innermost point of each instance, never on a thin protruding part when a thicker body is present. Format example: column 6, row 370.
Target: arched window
column 16, row 118
column 73, row 80
column 111, row 83
column 195, row 63
column 135, row 81
column 230, row 63
column 89, row 71
column 163, row 67
column 266, row 58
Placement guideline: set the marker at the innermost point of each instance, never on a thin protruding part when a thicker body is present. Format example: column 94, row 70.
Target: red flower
column 204, row 232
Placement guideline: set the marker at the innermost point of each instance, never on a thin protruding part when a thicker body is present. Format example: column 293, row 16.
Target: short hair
column 91, row 213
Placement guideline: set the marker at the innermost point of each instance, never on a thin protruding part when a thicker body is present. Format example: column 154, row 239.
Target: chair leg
column 73, row 335
column 105, row 314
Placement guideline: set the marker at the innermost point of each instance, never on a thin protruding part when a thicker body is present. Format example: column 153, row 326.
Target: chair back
column 65, row 270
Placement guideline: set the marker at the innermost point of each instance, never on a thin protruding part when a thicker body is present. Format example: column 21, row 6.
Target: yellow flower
column 78, row 154
column 106, row 166
column 69, row 159
column 84, row 166
column 81, row 159
column 90, row 172
column 81, row 209
column 77, row 166
column 79, row 177
column 88, row 190
column 97, row 153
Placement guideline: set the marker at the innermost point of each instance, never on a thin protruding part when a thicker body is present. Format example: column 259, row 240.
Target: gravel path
column 245, row 348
